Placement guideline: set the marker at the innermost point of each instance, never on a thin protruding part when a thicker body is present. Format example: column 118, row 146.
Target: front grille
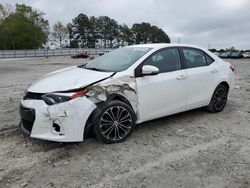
column 34, row 96
column 27, row 118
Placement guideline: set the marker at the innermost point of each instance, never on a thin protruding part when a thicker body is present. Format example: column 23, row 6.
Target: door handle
column 181, row 77
column 214, row 71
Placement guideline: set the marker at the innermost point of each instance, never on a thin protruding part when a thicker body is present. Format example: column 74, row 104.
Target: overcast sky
column 218, row 23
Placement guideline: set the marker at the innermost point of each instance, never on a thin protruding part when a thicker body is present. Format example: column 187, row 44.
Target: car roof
column 157, row 46
column 162, row 45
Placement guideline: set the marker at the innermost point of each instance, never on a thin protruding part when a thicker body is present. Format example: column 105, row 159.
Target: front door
column 165, row 93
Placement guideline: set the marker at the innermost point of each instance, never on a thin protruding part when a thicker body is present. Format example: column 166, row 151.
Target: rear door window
column 194, row 58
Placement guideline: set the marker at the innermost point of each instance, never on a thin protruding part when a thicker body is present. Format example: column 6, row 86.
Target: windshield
column 117, row 60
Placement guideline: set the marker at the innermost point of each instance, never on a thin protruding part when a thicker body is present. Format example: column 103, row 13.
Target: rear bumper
column 231, row 83
column 64, row 122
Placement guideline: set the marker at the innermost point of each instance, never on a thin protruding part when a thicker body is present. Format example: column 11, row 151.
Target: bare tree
column 5, row 11
column 60, row 31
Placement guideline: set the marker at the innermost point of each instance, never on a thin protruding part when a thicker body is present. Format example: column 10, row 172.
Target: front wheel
column 219, row 99
column 115, row 122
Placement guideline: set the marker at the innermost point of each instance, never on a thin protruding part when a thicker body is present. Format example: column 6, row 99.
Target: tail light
column 232, row 68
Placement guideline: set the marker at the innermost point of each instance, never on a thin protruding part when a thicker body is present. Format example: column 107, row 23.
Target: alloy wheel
column 220, row 98
column 115, row 123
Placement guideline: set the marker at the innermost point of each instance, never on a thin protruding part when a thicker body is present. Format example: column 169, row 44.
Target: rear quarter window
column 209, row 59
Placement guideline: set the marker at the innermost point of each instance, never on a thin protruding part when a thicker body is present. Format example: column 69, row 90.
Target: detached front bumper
column 63, row 122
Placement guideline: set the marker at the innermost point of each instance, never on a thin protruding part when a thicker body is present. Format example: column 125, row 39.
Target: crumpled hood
column 67, row 79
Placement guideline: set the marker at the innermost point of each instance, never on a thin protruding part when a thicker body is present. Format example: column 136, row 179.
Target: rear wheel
column 115, row 122
column 219, row 99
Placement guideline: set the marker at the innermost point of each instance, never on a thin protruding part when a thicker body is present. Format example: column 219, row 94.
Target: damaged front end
column 62, row 116
column 124, row 86
column 62, row 122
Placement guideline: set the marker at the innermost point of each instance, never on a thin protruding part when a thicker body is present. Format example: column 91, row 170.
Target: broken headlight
column 54, row 98
column 51, row 99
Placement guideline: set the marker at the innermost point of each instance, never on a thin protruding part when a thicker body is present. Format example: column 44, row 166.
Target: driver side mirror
column 149, row 70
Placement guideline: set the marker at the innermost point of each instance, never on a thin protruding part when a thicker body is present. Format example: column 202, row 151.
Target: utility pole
column 179, row 40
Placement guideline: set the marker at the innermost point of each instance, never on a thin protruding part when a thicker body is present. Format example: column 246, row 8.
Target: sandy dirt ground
column 191, row 149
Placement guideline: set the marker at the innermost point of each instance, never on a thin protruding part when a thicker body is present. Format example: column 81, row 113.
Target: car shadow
column 171, row 120
column 168, row 122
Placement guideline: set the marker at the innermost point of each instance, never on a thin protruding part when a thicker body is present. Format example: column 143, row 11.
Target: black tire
column 219, row 99
column 114, row 123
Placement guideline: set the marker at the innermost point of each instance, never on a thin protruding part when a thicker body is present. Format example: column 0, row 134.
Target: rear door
column 165, row 93
column 202, row 71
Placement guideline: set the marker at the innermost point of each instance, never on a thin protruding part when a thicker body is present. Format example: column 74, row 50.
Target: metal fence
column 47, row 52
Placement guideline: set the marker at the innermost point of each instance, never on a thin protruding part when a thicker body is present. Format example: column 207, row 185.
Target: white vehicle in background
column 216, row 53
column 246, row 54
column 130, row 85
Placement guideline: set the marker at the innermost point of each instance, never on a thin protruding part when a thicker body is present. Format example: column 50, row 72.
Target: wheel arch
column 111, row 97
column 118, row 97
column 210, row 107
column 225, row 83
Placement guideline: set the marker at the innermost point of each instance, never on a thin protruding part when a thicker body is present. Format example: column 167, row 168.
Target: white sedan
column 112, row 93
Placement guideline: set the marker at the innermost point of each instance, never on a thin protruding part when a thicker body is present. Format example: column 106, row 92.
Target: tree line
column 23, row 27
column 106, row 32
